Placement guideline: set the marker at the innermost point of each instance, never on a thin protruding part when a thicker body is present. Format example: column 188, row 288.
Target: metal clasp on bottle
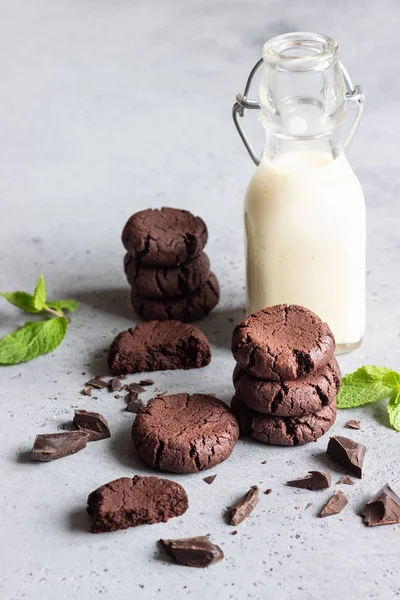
column 353, row 94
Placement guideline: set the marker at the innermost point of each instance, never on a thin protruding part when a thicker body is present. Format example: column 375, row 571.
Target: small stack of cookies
column 286, row 378
column 166, row 267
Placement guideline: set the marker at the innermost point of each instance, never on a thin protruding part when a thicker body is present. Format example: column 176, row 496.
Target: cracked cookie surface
column 127, row 502
column 284, row 431
column 159, row 346
column 164, row 237
column 290, row 398
column 282, row 342
column 190, row 307
column 185, row 433
column 167, row 282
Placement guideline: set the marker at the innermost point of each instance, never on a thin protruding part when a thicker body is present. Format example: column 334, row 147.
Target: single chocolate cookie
column 284, row 431
column 282, row 342
column 184, row 433
column 167, row 282
column 166, row 237
column 191, row 307
column 129, row 502
column 290, row 398
column 159, row 346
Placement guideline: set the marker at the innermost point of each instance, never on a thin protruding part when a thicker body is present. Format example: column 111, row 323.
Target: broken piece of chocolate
column 87, row 390
column 114, row 384
column 193, row 552
column 239, row 511
column 135, row 387
column 146, row 382
column 347, row 453
column 268, row 491
column 353, row 424
column 382, row 509
column 51, row 446
column 126, row 502
column 314, row 481
column 209, row 479
column 335, row 505
column 97, row 383
column 345, row 481
column 135, row 404
column 92, row 423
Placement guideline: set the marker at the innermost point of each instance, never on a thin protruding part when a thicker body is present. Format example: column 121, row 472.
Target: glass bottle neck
column 276, row 146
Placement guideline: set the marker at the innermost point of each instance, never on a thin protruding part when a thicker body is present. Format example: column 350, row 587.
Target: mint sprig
column 370, row 384
column 39, row 337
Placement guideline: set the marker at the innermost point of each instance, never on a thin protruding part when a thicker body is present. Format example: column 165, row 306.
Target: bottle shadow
column 218, row 326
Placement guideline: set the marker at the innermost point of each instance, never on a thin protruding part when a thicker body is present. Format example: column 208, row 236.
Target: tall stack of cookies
column 166, row 267
column 286, row 378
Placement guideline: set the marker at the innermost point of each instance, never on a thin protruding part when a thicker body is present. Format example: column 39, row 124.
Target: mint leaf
column 32, row 340
column 40, row 295
column 21, row 300
column 364, row 386
column 394, row 410
column 392, row 379
column 70, row 305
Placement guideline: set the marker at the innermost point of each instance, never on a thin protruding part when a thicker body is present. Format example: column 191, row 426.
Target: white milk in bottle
column 304, row 207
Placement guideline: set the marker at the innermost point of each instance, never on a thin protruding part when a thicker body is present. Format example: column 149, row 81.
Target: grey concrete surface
column 109, row 107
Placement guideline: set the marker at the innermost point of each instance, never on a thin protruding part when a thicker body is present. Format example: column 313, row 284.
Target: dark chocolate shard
column 193, row 552
column 51, row 446
column 335, row 505
column 345, row 481
column 134, row 387
column 347, row 453
column 114, row 384
column 146, row 382
column 97, row 383
column 353, row 424
column 92, row 423
column 209, row 479
column 314, row 481
column 239, row 511
column 135, row 404
column 382, row 509
column 87, row 390
column 268, row 491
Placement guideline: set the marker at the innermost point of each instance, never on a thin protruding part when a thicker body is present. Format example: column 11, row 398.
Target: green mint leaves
column 39, row 337
column 370, row 384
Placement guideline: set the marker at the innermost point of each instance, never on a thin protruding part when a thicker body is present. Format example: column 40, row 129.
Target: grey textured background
column 109, row 107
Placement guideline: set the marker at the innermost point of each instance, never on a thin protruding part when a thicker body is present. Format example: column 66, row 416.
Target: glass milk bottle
column 304, row 207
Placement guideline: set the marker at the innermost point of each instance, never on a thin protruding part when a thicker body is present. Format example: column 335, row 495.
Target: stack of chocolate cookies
column 166, row 267
column 286, row 378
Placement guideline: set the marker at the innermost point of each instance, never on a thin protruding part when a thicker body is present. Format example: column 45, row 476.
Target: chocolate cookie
column 284, row 431
column 166, row 237
column 290, row 398
column 129, row 502
column 282, row 342
column 159, row 346
column 191, row 307
column 184, row 433
column 167, row 282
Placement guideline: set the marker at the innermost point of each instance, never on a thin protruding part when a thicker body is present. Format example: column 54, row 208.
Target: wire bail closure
column 353, row 94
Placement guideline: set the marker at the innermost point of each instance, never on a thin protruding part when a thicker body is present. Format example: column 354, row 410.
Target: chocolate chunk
column 382, row 509
column 52, row 446
column 235, row 532
column 314, row 481
column 335, row 505
column 209, row 479
column 92, row 423
column 353, row 424
column 345, row 481
column 268, row 491
column 87, row 390
column 309, row 505
column 134, row 387
column 159, row 346
column 239, row 511
column 135, row 404
column 129, row 502
column 193, row 552
column 115, row 384
column 146, row 382
column 97, row 383
column 348, row 453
